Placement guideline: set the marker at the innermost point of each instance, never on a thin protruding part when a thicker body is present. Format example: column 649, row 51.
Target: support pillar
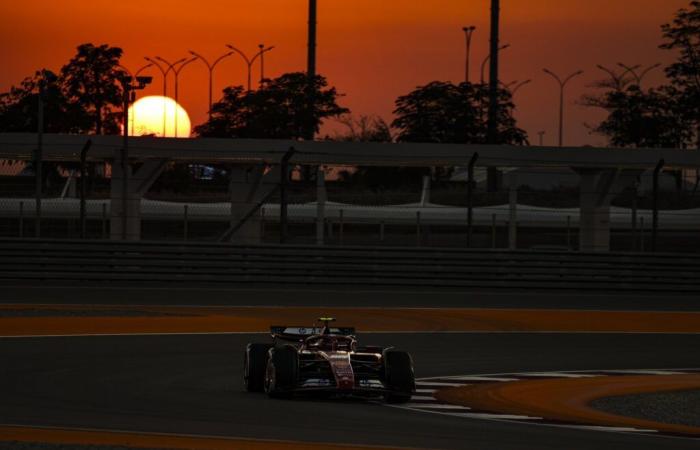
column 598, row 188
column 425, row 192
column 513, row 211
column 595, row 198
column 249, row 187
column 127, row 224
column 321, row 198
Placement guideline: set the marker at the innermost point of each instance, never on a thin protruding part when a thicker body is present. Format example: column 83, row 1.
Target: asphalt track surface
column 190, row 384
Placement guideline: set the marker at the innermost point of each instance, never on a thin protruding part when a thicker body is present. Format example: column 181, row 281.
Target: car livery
column 326, row 360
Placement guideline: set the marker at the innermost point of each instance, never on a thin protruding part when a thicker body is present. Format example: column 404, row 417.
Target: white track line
column 436, row 406
column 495, row 416
column 617, row 429
column 438, row 383
column 479, row 378
column 446, row 409
column 645, row 372
column 556, row 375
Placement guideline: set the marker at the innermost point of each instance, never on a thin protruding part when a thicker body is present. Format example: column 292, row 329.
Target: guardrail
column 30, row 261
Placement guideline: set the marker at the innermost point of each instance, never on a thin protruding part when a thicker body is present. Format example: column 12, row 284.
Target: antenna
column 326, row 321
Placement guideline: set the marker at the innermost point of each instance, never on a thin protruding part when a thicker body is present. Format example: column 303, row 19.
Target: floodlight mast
column 128, row 88
column 136, row 76
column 492, row 131
column 311, row 69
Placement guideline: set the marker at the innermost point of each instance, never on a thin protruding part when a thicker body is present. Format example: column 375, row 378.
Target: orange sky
column 372, row 50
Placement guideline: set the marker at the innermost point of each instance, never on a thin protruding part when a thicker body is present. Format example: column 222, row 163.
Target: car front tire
column 399, row 376
column 254, row 365
column 282, row 372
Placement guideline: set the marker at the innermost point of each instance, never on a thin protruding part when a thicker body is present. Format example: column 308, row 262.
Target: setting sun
column 158, row 116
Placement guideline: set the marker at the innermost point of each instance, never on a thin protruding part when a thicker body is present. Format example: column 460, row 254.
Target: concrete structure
column 125, row 214
column 603, row 171
column 249, row 188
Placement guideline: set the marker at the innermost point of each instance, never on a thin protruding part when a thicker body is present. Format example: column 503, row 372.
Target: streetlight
column 165, row 82
column 618, row 80
column 562, row 85
column 263, row 50
column 519, row 86
column 633, row 70
column 138, row 72
column 176, row 70
column 468, row 32
column 250, row 61
column 487, row 59
column 211, row 73
column 134, row 76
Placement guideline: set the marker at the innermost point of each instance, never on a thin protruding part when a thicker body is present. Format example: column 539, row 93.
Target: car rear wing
column 296, row 332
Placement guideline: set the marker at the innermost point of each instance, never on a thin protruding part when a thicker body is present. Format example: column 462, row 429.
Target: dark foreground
column 192, row 385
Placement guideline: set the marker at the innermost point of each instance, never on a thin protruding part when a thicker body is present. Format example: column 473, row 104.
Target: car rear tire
column 398, row 376
column 282, row 372
column 254, row 365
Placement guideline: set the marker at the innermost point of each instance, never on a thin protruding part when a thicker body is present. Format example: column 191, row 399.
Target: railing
column 29, row 262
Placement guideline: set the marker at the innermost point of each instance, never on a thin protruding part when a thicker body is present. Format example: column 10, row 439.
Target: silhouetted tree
column 683, row 35
column 442, row 112
column 90, row 80
column 364, row 129
column 638, row 118
column 19, row 106
column 668, row 116
column 19, row 113
column 276, row 111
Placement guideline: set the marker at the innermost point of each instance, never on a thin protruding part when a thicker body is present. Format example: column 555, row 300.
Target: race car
column 326, row 360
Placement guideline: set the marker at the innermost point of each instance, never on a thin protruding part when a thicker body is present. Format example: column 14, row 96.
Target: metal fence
column 191, row 202
column 151, row 263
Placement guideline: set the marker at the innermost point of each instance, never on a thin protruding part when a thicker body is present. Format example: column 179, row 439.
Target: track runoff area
column 169, row 377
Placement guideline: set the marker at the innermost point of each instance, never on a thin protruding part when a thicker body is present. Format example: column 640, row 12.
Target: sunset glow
column 371, row 51
column 159, row 116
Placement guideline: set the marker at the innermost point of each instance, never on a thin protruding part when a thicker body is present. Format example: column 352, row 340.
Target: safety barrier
column 31, row 262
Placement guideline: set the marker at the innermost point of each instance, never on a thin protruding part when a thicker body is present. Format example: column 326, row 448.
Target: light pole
column 129, row 86
column 562, row 85
column 468, row 32
column 541, row 135
column 618, row 80
column 211, row 68
column 486, row 61
column 176, row 71
column 263, row 50
column 519, row 86
column 164, row 72
column 250, row 61
column 638, row 76
column 38, row 155
column 133, row 76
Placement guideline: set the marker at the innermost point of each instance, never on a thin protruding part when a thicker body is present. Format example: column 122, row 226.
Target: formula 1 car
column 326, row 360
